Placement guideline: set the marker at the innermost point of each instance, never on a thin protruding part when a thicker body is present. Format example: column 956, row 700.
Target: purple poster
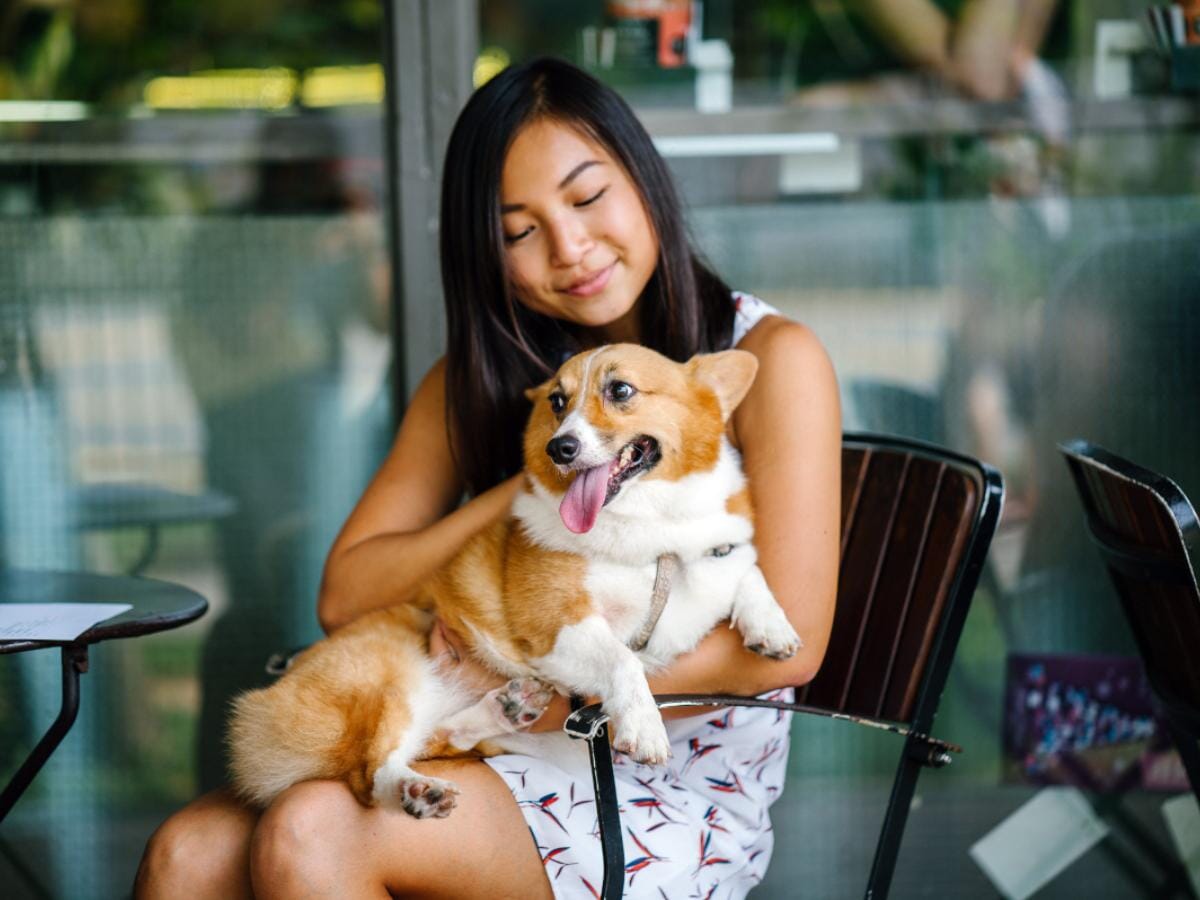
column 1085, row 720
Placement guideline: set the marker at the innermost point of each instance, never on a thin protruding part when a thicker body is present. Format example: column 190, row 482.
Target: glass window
column 194, row 337
column 988, row 213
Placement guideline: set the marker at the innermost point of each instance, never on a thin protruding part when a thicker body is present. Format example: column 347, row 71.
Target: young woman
column 560, row 230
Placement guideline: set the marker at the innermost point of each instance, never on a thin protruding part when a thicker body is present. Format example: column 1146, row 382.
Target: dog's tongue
column 584, row 498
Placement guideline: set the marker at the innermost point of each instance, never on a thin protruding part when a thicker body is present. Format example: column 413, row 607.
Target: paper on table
column 1038, row 841
column 53, row 621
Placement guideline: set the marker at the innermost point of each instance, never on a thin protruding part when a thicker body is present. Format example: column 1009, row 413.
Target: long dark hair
column 497, row 347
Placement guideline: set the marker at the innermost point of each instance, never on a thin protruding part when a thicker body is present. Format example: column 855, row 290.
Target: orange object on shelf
column 673, row 18
column 1191, row 20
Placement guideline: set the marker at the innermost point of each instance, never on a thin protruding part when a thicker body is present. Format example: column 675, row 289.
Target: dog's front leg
column 505, row 710
column 588, row 659
column 758, row 616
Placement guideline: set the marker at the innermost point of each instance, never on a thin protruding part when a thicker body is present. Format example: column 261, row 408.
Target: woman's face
column 578, row 242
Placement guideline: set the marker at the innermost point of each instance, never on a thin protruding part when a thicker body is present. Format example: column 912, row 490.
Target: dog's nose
column 563, row 449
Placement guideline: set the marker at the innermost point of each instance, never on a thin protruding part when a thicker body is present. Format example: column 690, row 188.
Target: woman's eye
column 557, row 403
column 620, row 391
column 513, row 238
column 592, row 199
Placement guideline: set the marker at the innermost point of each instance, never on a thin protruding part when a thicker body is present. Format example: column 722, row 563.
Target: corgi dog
column 626, row 460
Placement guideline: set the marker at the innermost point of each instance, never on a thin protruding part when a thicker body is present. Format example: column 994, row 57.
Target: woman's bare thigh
column 203, row 850
column 318, row 840
column 482, row 849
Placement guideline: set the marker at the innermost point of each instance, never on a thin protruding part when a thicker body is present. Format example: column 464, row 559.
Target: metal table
column 157, row 606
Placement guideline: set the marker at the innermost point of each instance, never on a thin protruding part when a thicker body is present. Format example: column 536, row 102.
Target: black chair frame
column 919, row 749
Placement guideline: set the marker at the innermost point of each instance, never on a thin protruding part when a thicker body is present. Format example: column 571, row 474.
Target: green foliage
column 105, row 53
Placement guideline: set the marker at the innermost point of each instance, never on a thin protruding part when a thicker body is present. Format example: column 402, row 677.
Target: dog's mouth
column 593, row 488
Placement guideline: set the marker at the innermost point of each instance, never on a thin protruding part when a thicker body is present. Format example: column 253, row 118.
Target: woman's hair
column 496, row 347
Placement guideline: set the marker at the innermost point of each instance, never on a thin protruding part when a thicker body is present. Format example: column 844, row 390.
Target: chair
column 1149, row 538
column 917, row 521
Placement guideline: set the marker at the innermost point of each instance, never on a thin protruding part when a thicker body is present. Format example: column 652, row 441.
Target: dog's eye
column 558, row 402
column 621, row 391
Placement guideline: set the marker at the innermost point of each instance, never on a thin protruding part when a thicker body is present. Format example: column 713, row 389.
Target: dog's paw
column 775, row 639
column 426, row 798
column 642, row 736
column 522, row 701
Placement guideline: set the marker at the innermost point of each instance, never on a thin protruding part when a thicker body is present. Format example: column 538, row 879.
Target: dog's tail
column 341, row 710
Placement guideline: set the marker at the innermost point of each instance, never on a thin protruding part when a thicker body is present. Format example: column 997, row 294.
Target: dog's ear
column 534, row 394
column 729, row 374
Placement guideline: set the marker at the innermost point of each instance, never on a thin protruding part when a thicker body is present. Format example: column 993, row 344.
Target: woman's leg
column 317, row 841
column 201, row 851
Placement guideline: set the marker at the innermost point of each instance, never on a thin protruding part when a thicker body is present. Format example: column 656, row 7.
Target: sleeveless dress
column 696, row 827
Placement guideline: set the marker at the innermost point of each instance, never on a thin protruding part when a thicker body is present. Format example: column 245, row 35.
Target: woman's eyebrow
column 571, row 176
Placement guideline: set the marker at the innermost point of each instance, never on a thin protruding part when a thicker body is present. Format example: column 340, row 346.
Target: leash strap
column 664, row 574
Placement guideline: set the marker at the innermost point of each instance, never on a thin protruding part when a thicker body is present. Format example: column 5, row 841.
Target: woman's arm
column 402, row 528
column 974, row 50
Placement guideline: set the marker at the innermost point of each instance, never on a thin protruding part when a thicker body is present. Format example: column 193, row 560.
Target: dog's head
column 621, row 414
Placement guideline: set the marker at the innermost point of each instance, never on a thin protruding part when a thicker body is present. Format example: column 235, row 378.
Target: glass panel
column 195, row 358
column 988, row 213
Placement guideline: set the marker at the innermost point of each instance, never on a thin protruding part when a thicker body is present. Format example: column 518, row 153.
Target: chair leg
column 894, row 820
column 608, row 815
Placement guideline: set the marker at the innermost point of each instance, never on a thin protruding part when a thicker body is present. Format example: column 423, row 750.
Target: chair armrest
column 585, row 723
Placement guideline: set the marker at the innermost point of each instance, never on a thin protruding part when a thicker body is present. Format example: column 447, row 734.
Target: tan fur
column 739, row 504
column 336, row 713
column 346, row 703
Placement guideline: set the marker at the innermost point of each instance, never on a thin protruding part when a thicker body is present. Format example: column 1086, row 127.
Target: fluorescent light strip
column 42, row 111
column 747, row 144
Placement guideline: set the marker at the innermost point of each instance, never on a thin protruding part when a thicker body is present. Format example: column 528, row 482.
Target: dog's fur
column 550, row 595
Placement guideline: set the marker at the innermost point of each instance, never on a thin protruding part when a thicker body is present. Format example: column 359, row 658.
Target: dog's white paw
column 641, row 735
column 522, row 701
column 424, row 797
column 774, row 638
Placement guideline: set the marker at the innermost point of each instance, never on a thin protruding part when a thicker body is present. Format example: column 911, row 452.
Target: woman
column 561, row 230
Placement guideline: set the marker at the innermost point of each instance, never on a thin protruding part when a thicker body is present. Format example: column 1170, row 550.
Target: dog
column 626, row 461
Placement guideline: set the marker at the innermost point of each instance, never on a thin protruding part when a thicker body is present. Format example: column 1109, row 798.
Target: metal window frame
column 429, row 54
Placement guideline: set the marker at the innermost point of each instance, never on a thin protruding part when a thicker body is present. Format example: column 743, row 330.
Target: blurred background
column 218, row 282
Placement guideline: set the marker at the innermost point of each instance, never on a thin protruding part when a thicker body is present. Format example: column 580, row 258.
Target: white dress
column 696, row 827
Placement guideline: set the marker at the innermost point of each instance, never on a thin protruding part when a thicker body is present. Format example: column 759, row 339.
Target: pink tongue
column 584, row 498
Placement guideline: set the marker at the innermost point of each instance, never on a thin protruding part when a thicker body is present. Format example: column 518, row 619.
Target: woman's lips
column 593, row 285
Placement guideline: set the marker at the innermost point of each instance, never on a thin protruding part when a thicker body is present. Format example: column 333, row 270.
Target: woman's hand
column 447, row 647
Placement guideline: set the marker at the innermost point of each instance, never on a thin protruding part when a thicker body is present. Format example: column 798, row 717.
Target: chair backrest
column 917, row 521
column 1149, row 537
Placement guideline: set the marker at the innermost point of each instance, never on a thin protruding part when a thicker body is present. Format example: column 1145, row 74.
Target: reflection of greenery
column 103, row 52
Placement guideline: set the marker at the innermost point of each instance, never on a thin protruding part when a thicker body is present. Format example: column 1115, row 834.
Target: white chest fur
column 649, row 518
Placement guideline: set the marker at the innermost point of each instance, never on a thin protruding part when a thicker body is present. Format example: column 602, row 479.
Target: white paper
column 1038, row 841
column 53, row 621
column 1183, row 821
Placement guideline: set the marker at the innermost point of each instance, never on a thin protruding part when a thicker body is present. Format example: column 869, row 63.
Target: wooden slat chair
column 917, row 521
column 1149, row 538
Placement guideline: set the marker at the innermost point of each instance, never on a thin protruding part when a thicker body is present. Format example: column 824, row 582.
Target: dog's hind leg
column 405, row 723
column 506, row 710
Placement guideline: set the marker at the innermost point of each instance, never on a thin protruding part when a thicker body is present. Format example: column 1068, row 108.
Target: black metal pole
column 74, row 662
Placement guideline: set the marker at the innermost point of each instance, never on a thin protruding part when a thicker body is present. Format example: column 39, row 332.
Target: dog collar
column 664, row 574
column 668, row 567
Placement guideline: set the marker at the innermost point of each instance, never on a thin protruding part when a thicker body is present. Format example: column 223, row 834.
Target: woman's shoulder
column 782, row 344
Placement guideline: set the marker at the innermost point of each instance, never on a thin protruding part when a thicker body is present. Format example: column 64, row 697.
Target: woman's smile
column 592, row 283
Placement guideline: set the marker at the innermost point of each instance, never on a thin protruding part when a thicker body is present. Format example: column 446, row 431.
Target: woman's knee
column 201, row 851
column 298, row 837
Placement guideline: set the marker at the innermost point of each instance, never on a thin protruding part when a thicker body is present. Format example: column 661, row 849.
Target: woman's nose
column 569, row 242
